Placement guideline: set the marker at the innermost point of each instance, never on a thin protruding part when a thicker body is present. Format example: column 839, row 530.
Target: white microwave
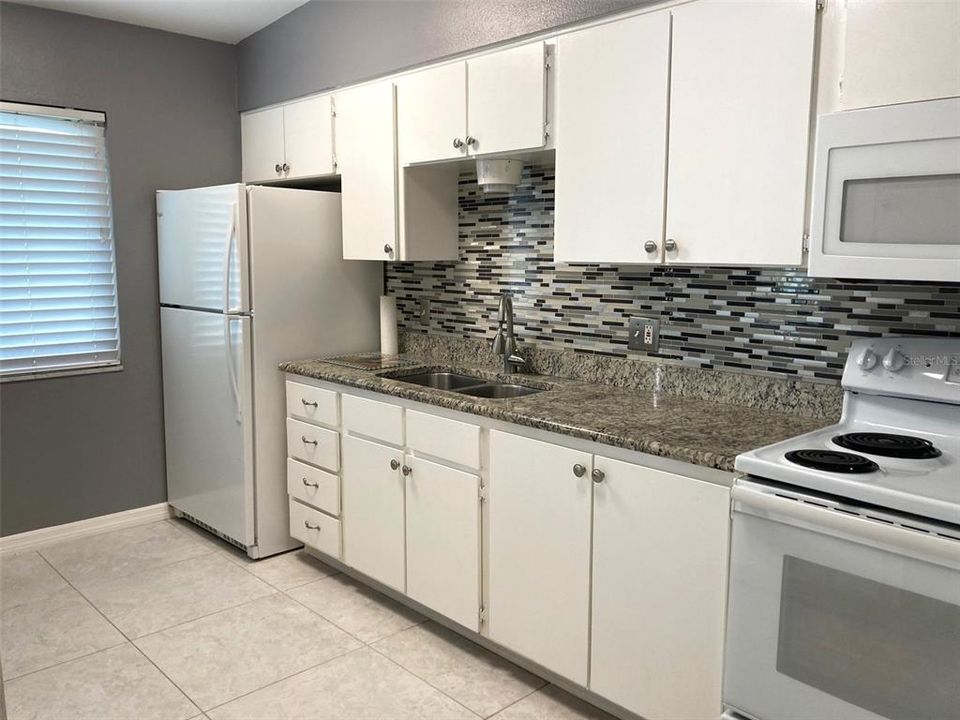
column 886, row 193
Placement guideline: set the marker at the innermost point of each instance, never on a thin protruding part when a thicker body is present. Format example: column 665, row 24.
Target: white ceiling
column 228, row 21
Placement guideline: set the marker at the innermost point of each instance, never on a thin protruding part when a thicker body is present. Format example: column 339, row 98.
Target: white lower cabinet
column 315, row 529
column 372, row 510
column 539, row 519
column 659, row 591
column 443, row 540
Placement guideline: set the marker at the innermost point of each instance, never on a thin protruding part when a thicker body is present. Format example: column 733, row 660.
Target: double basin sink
column 468, row 385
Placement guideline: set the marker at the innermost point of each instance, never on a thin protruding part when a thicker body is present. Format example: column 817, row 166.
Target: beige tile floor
column 166, row 622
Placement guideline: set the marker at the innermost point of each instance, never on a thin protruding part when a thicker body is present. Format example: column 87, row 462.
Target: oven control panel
column 922, row 368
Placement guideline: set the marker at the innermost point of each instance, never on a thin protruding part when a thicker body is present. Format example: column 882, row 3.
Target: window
column 58, row 283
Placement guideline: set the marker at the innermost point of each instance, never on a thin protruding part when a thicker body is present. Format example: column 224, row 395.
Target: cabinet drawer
column 315, row 529
column 312, row 404
column 444, row 438
column 313, row 444
column 313, row 486
column 374, row 419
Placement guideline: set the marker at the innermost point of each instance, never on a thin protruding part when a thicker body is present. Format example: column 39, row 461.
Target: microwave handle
column 912, row 543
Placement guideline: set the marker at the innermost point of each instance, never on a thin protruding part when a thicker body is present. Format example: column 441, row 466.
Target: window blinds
column 58, row 289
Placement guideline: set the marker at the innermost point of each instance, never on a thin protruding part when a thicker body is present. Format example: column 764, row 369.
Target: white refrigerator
column 249, row 277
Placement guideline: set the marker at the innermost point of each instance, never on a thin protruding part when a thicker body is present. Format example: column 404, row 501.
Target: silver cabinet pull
column 388, row 249
column 470, row 140
column 285, row 168
column 394, row 464
column 308, row 404
column 457, row 143
column 278, row 167
column 579, row 470
column 310, row 526
column 310, row 484
column 650, row 246
column 597, row 475
column 308, row 442
column 406, row 470
column 670, row 244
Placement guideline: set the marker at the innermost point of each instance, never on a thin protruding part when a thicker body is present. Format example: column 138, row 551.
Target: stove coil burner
column 887, row 445
column 832, row 461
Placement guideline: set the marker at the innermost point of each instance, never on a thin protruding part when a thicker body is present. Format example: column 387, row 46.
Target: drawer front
column 313, row 486
column 315, row 529
column 374, row 419
column 312, row 404
column 451, row 440
column 315, row 445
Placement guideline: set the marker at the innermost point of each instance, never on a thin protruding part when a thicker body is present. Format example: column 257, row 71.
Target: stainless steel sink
column 441, row 380
column 499, row 391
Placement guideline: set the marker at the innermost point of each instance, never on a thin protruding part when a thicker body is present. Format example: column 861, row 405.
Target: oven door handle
column 903, row 541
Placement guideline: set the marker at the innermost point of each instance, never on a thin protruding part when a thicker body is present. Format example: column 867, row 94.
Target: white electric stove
column 844, row 597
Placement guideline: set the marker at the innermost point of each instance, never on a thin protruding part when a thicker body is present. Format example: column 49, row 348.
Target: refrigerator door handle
column 227, row 256
column 231, row 368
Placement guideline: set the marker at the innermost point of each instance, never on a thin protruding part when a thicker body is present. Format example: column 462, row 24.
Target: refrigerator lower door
column 202, row 248
column 208, row 419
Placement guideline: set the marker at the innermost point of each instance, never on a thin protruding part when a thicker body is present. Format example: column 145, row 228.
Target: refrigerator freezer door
column 202, row 245
column 208, row 419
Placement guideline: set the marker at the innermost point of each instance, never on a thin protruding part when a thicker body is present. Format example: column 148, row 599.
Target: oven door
column 886, row 189
column 832, row 615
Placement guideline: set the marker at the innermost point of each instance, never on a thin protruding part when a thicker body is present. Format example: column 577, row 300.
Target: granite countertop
column 688, row 429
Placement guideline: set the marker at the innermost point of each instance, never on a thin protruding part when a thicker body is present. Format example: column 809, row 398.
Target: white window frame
column 114, row 364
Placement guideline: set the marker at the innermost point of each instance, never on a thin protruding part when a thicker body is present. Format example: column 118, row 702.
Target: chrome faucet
column 504, row 342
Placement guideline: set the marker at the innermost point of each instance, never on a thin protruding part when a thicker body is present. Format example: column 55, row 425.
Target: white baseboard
column 33, row 539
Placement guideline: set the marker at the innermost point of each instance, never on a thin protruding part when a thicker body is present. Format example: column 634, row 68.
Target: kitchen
column 507, row 360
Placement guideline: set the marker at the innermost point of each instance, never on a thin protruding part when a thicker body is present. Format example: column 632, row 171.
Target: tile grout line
column 169, row 679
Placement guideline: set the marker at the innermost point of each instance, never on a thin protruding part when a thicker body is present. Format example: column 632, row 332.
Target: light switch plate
column 644, row 334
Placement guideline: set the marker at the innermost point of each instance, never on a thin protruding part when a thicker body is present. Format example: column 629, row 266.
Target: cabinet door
column 659, row 591
column 443, row 540
column 308, row 137
column 372, row 510
column 506, row 100
column 612, row 91
column 261, row 135
column 539, row 518
column 739, row 128
column 366, row 158
column 432, row 114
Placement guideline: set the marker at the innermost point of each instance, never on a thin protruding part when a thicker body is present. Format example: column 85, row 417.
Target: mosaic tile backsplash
column 770, row 321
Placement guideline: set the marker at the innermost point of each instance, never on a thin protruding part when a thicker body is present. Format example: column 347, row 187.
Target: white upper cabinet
column 612, row 89
column 507, row 100
column 366, row 154
column 659, row 591
column 741, row 83
column 288, row 142
column 432, row 114
column 490, row 104
column 262, row 145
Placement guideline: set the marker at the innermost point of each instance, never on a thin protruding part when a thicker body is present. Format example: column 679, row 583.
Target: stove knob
column 867, row 360
column 894, row 360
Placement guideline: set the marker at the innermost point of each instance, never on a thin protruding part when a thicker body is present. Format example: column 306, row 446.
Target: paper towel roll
column 388, row 325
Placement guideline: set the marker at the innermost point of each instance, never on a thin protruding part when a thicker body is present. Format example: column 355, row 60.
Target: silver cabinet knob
column 650, row 246
column 670, row 244
column 579, row 470
column 470, row 140
column 310, row 526
column 310, row 484
column 394, row 464
column 285, row 168
column 388, row 249
column 308, row 404
column 457, row 143
column 406, row 470
column 303, row 438
column 597, row 475
column 278, row 167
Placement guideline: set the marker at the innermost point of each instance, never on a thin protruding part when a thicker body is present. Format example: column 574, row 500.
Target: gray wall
column 83, row 446
column 322, row 45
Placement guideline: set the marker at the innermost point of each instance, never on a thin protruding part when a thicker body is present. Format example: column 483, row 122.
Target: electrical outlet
column 644, row 334
column 424, row 311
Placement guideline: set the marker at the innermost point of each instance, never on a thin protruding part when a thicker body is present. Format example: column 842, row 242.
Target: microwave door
column 832, row 615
